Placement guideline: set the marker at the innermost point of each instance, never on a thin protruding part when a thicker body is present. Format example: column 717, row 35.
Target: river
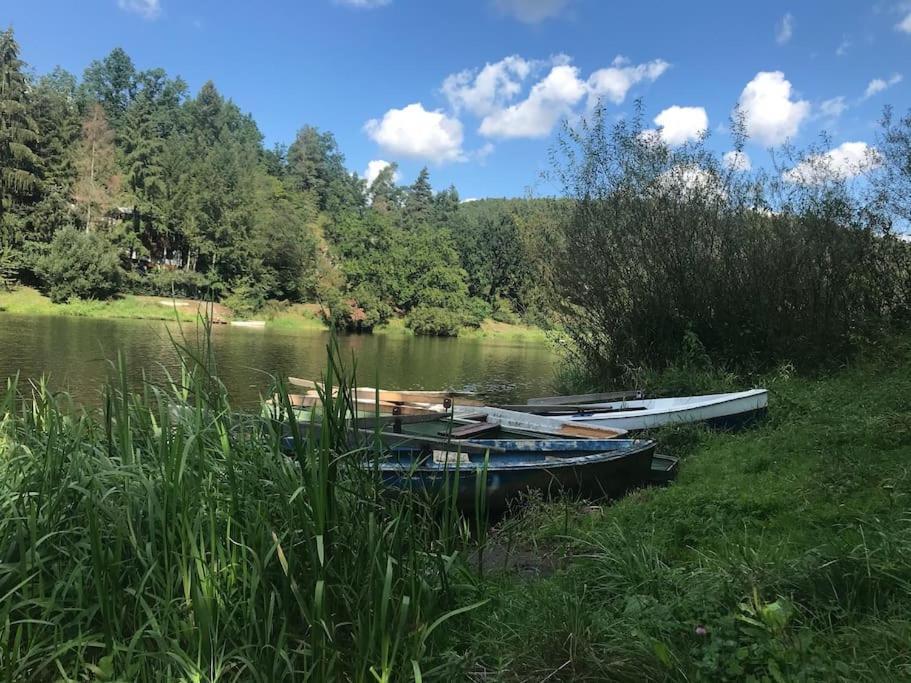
column 74, row 354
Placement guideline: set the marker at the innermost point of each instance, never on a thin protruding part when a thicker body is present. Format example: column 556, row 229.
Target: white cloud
column 616, row 80
column 363, row 4
column 877, row 85
column 534, row 117
column 905, row 24
column 681, row 124
column 415, row 132
column 785, row 29
column 374, row 168
column 843, row 48
column 686, row 179
column 531, row 11
column 147, row 9
column 833, row 108
column 770, row 115
column 737, row 161
column 848, row 160
column 491, row 88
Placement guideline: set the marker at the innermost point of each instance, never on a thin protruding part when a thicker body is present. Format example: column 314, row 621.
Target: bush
column 503, row 311
column 80, row 265
column 246, row 298
column 434, row 321
column 177, row 283
column 660, row 243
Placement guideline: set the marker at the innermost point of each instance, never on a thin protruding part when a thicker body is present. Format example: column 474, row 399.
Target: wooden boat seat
column 467, row 431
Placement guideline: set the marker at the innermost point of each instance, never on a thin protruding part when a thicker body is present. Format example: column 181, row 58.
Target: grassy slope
column 27, row 301
column 810, row 510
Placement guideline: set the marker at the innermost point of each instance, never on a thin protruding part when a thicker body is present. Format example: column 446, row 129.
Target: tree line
column 123, row 181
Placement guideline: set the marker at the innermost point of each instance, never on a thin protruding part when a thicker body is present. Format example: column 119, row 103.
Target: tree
column 418, row 207
column 316, row 165
column 384, row 194
column 98, row 181
column 18, row 130
column 112, row 82
column 80, row 265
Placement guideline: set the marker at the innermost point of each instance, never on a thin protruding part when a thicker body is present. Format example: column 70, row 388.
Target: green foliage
column 80, row 265
column 434, row 321
column 19, row 163
column 175, row 283
column 190, row 542
column 780, row 553
column 665, row 242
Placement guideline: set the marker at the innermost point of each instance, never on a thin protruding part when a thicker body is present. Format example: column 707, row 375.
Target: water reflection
column 76, row 353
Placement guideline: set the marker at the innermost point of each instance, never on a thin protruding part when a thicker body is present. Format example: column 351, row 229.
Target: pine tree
column 419, row 201
column 97, row 182
column 18, row 132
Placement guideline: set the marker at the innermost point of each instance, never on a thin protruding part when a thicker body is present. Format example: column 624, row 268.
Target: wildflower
column 701, row 630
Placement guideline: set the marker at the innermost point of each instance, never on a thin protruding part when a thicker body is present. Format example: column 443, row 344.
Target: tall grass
column 170, row 538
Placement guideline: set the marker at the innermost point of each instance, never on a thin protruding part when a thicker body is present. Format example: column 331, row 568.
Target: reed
column 168, row 537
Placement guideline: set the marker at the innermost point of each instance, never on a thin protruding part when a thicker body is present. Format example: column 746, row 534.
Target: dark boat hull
column 595, row 476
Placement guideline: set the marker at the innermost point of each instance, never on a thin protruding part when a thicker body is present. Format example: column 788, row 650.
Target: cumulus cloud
column 418, row 133
column 877, row 85
column 493, row 92
column 491, row 88
column 678, row 125
column 846, row 161
column 770, row 115
column 374, row 168
column 737, row 160
column 363, row 4
column 785, row 29
column 615, row 81
column 905, row 24
column 147, row 9
column 833, row 108
column 531, row 11
column 534, row 117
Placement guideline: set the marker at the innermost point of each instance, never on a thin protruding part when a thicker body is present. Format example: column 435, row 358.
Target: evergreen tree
column 18, row 131
column 98, row 181
column 384, row 194
column 419, row 201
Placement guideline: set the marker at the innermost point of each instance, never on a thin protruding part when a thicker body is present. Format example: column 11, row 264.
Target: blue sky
column 405, row 80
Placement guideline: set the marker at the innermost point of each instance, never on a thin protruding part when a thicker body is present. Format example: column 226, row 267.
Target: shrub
column 503, row 311
column 434, row 321
column 81, row 265
column 176, row 283
column 662, row 242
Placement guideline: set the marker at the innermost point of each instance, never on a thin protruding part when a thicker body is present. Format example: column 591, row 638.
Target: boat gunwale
column 623, row 414
column 472, row 467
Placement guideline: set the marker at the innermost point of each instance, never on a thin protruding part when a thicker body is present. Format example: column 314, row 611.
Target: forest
column 124, row 181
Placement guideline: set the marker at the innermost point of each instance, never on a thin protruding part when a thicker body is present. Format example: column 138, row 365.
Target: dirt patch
column 219, row 312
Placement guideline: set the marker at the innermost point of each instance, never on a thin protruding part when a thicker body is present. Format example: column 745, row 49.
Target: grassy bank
column 27, row 301
column 303, row 317
column 782, row 554
column 169, row 538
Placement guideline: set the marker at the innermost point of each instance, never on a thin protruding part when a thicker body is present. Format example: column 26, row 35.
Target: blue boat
column 586, row 468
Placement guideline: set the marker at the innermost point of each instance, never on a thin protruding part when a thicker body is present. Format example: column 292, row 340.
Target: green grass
column 783, row 553
column 167, row 537
column 27, row 301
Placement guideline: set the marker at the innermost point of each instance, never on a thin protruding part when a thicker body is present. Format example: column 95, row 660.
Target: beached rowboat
column 727, row 411
column 587, row 468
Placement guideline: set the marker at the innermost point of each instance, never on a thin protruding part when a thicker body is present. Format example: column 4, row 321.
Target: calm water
column 74, row 351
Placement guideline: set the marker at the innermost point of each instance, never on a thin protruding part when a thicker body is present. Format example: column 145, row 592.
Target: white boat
column 719, row 410
column 542, row 424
